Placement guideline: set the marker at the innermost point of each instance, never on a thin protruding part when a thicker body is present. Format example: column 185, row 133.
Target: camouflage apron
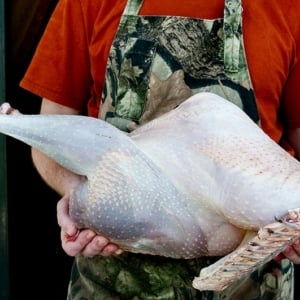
column 155, row 63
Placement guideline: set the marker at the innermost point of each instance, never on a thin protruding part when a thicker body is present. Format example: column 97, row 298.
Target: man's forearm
column 57, row 177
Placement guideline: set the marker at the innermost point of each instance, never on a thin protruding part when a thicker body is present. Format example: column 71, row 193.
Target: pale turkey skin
column 189, row 183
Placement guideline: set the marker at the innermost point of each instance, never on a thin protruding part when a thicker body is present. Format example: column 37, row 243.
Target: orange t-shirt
column 70, row 62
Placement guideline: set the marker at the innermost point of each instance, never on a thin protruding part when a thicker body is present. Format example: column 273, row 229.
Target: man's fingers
column 111, row 249
column 63, row 219
column 6, row 109
column 292, row 255
column 95, row 247
column 76, row 245
column 293, row 252
column 101, row 246
column 62, row 209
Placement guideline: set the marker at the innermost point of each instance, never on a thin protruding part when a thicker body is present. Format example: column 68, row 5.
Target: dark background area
column 39, row 269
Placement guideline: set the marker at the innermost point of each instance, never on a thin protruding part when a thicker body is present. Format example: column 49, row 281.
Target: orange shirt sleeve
column 60, row 69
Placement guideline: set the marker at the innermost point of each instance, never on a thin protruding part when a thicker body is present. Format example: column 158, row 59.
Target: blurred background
column 38, row 267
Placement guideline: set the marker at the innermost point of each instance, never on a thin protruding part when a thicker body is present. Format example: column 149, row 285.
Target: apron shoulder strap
column 232, row 35
column 133, row 7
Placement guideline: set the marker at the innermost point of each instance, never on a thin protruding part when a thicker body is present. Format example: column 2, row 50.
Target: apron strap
column 133, row 7
column 232, row 35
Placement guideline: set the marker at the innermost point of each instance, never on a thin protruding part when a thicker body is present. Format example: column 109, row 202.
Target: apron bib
column 156, row 63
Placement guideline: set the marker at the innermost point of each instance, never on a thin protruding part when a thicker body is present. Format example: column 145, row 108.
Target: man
column 96, row 57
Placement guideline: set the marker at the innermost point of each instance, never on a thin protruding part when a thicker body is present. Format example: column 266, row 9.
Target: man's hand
column 293, row 252
column 6, row 109
column 85, row 242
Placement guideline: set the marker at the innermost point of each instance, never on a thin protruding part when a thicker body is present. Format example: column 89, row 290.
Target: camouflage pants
column 133, row 276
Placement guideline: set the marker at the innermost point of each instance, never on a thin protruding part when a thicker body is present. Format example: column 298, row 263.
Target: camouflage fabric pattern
column 158, row 62
column 144, row 277
column 134, row 276
column 155, row 64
